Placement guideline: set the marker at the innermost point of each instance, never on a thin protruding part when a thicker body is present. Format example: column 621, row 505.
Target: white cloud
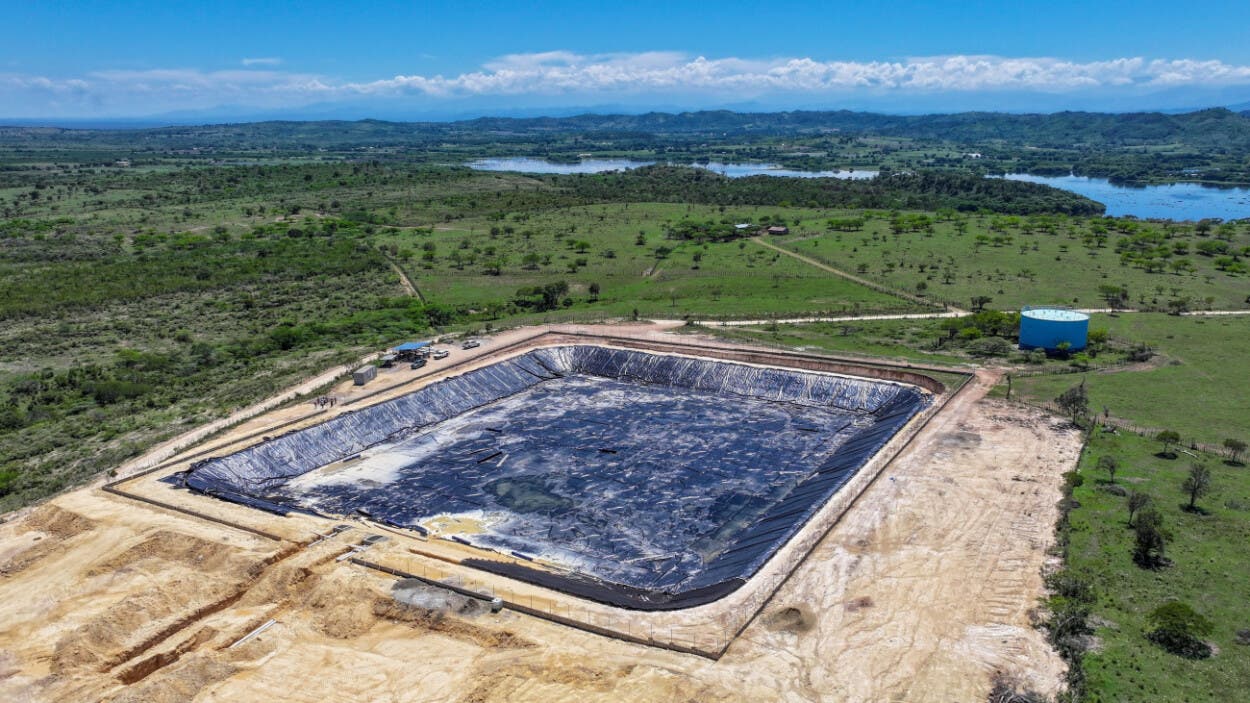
column 557, row 72
column 668, row 75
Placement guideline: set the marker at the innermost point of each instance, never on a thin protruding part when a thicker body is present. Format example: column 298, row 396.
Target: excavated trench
column 651, row 481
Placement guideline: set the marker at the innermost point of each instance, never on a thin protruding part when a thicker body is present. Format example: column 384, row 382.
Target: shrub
column 1179, row 629
column 990, row 346
column 1011, row 690
column 109, row 392
column 1072, row 480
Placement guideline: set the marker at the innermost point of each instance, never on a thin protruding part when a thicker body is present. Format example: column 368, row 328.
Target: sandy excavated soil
column 921, row 592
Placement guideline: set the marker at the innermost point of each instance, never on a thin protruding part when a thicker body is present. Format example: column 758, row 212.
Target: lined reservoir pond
column 1178, row 201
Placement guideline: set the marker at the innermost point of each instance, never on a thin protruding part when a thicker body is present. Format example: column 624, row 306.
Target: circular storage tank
column 1047, row 328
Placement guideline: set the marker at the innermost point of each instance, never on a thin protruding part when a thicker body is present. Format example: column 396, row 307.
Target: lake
column 524, row 164
column 736, row 170
column 1178, row 201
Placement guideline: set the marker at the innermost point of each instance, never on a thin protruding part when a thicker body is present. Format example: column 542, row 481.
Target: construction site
column 608, row 512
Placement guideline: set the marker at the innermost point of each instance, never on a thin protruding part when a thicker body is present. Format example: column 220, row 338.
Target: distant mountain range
column 1217, row 127
column 467, row 111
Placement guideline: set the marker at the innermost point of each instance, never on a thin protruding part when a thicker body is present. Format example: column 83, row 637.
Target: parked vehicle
column 470, row 344
column 419, row 363
column 441, row 353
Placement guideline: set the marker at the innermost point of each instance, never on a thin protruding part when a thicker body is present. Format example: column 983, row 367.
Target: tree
column 1109, row 464
column 1074, row 401
column 980, row 301
column 495, row 265
column 1179, row 629
column 1115, row 296
column 1097, row 339
column 1136, row 501
column 594, row 290
column 1197, row 483
column 542, row 298
column 1150, row 539
column 1235, row 448
column 952, row 326
column 1168, row 438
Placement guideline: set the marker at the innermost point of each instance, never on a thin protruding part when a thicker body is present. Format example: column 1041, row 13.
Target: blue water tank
column 1048, row 327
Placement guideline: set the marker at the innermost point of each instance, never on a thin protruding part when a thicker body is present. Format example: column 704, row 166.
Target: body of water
column 525, row 164
column 734, row 170
column 1178, row 201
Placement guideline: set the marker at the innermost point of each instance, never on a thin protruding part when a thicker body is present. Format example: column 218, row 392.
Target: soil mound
column 57, row 522
column 179, row 548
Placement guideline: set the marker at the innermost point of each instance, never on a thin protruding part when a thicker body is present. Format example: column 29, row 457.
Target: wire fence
column 1073, row 369
column 881, row 285
column 1108, row 423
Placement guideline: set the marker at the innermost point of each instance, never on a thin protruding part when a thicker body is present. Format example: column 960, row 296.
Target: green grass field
column 902, row 340
column 600, row 244
column 1030, row 261
column 1197, row 387
column 1209, row 572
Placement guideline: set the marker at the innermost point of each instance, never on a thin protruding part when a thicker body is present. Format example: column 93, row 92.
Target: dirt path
column 850, row 276
column 1200, row 313
column 409, row 287
column 921, row 600
column 843, row 318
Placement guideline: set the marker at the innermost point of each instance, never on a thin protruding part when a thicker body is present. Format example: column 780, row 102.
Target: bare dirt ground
column 920, row 593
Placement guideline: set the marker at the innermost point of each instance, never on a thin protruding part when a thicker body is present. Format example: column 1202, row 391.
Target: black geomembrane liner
column 654, row 481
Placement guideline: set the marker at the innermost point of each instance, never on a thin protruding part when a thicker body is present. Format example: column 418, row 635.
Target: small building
column 778, row 229
column 364, row 374
column 411, row 351
column 1050, row 327
column 742, row 225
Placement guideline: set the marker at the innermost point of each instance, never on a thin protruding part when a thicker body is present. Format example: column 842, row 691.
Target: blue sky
column 91, row 59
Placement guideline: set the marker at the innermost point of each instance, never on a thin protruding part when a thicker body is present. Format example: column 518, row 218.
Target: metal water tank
column 1048, row 327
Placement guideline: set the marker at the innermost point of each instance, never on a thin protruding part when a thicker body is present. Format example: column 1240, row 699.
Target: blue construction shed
column 411, row 350
column 1048, row 327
